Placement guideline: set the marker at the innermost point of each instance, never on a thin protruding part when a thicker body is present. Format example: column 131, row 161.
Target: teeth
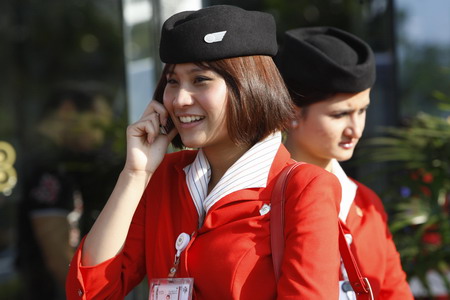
column 190, row 119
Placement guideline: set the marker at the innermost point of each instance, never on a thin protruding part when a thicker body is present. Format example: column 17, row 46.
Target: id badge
column 171, row 289
column 346, row 291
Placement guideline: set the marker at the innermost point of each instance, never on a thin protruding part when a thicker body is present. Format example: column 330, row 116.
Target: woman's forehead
column 187, row 67
column 349, row 99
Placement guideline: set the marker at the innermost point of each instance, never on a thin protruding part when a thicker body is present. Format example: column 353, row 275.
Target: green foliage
column 417, row 158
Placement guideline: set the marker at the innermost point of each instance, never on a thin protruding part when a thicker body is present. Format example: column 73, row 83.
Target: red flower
column 414, row 175
column 425, row 190
column 432, row 238
column 427, row 178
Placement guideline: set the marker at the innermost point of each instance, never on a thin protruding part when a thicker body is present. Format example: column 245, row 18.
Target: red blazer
column 374, row 248
column 229, row 257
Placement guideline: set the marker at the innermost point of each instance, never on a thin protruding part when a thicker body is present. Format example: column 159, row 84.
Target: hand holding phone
column 167, row 128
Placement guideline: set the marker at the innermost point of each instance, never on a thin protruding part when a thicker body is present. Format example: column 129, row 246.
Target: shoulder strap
column 359, row 283
column 277, row 218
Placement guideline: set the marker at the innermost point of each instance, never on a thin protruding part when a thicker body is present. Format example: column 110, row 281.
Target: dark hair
column 303, row 97
column 258, row 101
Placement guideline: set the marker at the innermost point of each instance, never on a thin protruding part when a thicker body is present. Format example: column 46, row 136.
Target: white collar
column 348, row 189
column 251, row 170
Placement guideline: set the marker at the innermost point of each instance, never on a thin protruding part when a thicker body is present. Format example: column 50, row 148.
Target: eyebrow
column 193, row 70
column 346, row 110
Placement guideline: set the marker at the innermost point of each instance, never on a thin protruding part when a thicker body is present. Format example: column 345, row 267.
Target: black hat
column 326, row 59
column 216, row 32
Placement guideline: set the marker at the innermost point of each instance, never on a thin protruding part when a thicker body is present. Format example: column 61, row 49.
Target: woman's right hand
column 146, row 146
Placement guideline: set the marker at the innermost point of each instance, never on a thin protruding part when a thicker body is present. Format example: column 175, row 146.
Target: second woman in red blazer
column 329, row 73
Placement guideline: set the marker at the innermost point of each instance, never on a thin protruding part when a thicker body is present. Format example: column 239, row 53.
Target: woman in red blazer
column 204, row 214
column 329, row 73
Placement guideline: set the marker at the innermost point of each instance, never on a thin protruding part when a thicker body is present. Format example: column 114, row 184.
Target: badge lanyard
column 171, row 287
column 180, row 244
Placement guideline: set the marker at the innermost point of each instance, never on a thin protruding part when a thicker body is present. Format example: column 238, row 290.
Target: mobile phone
column 169, row 126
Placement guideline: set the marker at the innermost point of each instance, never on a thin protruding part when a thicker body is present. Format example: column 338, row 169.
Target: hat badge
column 214, row 37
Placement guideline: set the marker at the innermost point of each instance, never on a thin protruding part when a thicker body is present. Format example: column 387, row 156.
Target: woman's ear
column 298, row 115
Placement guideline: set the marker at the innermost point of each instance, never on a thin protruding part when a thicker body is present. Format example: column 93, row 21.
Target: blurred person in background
column 70, row 132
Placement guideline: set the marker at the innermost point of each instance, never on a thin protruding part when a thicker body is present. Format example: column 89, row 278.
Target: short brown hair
column 258, row 101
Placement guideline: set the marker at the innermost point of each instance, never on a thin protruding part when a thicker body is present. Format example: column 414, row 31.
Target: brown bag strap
column 360, row 284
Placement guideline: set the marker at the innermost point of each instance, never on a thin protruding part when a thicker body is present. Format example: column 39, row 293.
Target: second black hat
column 326, row 59
column 217, row 32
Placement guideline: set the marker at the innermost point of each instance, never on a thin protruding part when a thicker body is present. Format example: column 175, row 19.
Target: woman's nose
column 182, row 98
column 354, row 129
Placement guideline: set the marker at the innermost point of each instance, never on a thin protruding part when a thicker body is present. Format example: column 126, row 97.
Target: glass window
column 423, row 54
column 62, row 121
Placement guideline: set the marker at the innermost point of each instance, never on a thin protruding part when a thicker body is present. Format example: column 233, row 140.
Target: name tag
column 171, row 289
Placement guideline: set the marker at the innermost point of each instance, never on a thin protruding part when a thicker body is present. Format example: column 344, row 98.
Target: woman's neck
column 300, row 155
column 221, row 160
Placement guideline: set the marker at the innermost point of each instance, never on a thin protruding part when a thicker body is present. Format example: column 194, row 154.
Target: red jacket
column 229, row 257
column 374, row 248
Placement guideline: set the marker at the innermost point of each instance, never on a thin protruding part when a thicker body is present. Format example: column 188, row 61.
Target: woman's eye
column 338, row 116
column 200, row 79
column 171, row 81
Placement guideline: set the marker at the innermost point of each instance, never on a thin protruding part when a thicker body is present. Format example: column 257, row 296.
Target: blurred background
column 76, row 72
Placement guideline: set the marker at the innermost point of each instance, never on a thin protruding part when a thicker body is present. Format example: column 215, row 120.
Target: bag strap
column 360, row 284
column 277, row 218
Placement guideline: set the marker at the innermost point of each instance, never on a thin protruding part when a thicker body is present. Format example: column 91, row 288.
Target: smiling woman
column 196, row 222
column 248, row 84
column 196, row 99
